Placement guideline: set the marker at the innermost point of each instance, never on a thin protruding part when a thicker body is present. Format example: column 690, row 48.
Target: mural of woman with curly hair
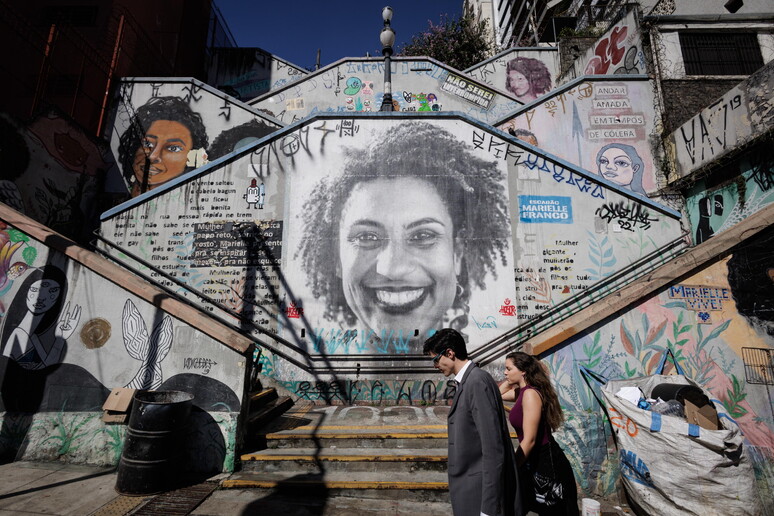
column 237, row 137
column 398, row 240
column 155, row 147
column 527, row 78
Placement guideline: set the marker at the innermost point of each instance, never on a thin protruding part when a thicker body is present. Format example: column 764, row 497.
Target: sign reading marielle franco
column 542, row 208
column 229, row 244
column 467, row 90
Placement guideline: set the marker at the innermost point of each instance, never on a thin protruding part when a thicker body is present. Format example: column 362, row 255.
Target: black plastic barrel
column 153, row 442
column 680, row 392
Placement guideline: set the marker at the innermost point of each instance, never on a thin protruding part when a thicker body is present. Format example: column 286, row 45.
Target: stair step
column 351, row 438
column 309, row 460
column 365, row 436
column 348, row 455
column 271, row 410
column 431, row 486
column 262, row 397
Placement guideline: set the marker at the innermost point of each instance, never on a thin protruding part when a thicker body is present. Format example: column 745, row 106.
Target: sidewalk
column 59, row 489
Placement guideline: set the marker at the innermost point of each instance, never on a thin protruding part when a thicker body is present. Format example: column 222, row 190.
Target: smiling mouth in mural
column 398, row 300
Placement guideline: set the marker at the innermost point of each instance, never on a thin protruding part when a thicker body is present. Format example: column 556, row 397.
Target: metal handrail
column 529, row 329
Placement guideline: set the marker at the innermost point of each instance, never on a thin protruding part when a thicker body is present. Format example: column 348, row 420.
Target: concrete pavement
column 28, row 488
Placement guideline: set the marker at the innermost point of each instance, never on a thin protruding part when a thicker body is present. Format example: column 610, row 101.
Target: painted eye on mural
column 423, row 238
column 366, row 239
column 623, row 163
column 148, row 144
column 175, row 148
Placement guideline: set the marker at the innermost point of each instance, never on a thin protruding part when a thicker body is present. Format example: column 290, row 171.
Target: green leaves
column 29, row 254
column 459, row 42
column 14, row 235
column 593, row 351
column 733, row 398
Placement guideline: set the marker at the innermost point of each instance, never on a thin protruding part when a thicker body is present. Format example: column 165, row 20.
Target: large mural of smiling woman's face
column 395, row 244
column 398, row 255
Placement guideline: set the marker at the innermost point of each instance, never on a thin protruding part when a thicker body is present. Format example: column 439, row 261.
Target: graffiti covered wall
column 162, row 130
column 617, row 52
column 363, row 235
column 744, row 113
column 525, row 73
column 357, row 85
column 68, row 336
column 52, row 171
column 718, row 323
column 714, row 210
column 603, row 126
column 245, row 73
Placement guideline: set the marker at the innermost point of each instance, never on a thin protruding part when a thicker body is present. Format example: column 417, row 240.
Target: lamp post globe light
column 387, row 37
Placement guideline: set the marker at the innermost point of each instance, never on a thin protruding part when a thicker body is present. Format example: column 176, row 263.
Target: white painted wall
column 357, row 85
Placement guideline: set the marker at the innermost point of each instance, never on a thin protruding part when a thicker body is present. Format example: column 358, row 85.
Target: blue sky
column 295, row 29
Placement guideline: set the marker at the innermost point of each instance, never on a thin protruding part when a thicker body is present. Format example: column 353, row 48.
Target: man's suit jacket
column 482, row 462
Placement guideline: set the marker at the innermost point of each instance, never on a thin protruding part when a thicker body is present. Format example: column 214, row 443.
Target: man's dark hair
column 444, row 339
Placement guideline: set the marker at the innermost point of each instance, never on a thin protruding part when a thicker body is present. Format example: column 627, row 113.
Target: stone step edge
column 269, row 392
column 363, row 432
column 323, row 428
column 358, row 435
column 257, row 457
column 332, row 484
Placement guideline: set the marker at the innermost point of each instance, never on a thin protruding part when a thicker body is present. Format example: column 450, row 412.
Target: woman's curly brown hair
column 470, row 187
column 535, row 71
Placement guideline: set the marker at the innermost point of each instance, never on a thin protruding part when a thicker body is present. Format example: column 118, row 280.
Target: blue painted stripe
column 655, row 422
column 693, row 430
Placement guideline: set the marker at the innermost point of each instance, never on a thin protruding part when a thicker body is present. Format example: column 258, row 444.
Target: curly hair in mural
column 236, row 137
column 527, row 78
column 621, row 164
column 751, row 278
column 402, row 235
column 154, row 148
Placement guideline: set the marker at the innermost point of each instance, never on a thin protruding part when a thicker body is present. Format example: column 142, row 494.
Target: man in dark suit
column 482, row 462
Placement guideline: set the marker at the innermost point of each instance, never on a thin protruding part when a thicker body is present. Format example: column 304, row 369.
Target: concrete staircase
column 378, row 455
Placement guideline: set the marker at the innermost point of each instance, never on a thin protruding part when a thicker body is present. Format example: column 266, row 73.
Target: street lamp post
column 387, row 37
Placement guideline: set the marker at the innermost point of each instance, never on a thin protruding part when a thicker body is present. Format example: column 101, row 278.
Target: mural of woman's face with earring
column 398, row 257
column 165, row 146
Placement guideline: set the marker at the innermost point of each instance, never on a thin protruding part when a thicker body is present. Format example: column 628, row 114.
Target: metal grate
column 180, row 501
column 758, row 365
column 720, row 54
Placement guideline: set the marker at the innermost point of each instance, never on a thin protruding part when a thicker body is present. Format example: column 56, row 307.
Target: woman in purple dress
column 535, row 414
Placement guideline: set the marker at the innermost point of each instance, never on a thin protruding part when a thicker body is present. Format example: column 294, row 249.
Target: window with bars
column 758, row 365
column 720, row 54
